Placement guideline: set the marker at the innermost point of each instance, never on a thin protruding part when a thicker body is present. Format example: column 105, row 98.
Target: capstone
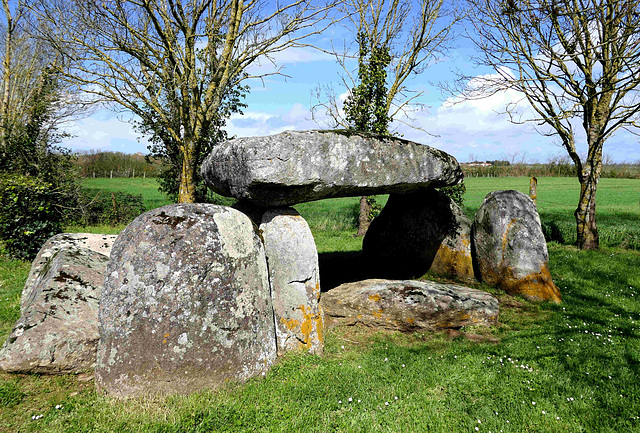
column 300, row 166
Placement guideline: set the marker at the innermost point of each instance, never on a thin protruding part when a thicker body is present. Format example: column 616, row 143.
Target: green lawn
column 573, row 367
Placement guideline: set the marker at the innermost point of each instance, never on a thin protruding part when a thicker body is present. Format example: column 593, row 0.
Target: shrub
column 28, row 214
column 108, row 207
column 455, row 192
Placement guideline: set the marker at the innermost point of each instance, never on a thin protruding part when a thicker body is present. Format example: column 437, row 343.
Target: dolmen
column 192, row 296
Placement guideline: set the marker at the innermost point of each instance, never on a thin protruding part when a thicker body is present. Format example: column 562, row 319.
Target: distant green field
column 618, row 207
column 147, row 187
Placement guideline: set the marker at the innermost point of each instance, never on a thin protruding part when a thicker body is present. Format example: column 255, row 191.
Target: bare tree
column 576, row 64
column 416, row 33
column 28, row 67
column 174, row 63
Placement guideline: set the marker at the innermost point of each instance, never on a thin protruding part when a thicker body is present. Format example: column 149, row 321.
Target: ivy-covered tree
column 365, row 107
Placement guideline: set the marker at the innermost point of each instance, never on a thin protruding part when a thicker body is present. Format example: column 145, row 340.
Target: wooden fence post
column 533, row 189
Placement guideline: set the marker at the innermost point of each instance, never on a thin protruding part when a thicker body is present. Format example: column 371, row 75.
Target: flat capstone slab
column 301, row 166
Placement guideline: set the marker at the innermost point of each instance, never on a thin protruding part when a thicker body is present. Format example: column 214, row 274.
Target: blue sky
column 472, row 130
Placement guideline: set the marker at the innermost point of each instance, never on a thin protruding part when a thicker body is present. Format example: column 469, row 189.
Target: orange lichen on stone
column 537, row 287
column 453, row 262
column 374, row 298
column 310, row 321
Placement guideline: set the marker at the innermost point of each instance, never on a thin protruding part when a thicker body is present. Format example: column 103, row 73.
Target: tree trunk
column 187, row 192
column 363, row 219
column 585, row 214
column 6, row 75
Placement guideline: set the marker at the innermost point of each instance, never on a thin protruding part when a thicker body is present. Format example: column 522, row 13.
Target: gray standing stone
column 408, row 305
column 418, row 232
column 95, row 242
column 510, row 249
column 300, row 166
column 186, row 303
column 58, row 328
column 292, row 259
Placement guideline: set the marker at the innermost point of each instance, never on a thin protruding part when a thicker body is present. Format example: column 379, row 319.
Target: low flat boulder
column 407, row 305
column 301, row 166
column 186, row 303
column 510, row 249
column 98, row 243
column 58, row 329
column 418, row 232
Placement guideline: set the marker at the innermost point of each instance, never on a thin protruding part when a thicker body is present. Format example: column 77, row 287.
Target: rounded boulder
column 186, row 303
column 509, row 248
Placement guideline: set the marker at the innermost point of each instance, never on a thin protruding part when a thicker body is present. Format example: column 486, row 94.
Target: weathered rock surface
column 292, row 260
column 185, row 304
column 58, row 328
column 408, row 305
column 510, row 249
column 95, row 242
column 417, row 232
column 300, row 166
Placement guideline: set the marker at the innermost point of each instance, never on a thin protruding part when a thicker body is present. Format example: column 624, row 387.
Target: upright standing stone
column 299, row 166
column 510, row 249
column 186, row 303
column 292, row 259
column 418, row 232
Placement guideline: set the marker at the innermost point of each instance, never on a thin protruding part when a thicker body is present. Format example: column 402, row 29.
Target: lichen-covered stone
column 300, row 166
column 58, row 328
column 407, row 305
column 509, row 247
column 95, row 242
column 186, row 303
column 292, row 259
column 418, row 232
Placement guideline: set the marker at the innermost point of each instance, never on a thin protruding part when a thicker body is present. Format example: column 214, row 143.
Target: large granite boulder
column 58, row 328
column 292, row 260
column 509, row 247
column 300, row 166
column 185, row 304
column 407, row 305
column 94, row 242
column 418, row 232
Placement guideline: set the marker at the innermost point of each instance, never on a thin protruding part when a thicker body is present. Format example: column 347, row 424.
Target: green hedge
column 28, row 216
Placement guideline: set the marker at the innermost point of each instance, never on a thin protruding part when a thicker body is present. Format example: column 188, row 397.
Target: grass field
column 573, row 367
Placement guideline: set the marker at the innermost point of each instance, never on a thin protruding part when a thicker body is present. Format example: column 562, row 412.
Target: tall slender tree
column 576, row 64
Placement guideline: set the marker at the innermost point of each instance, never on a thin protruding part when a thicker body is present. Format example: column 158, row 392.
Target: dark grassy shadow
column 342, row 267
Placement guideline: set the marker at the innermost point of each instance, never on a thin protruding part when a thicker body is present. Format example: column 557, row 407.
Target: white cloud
column 104, row 131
